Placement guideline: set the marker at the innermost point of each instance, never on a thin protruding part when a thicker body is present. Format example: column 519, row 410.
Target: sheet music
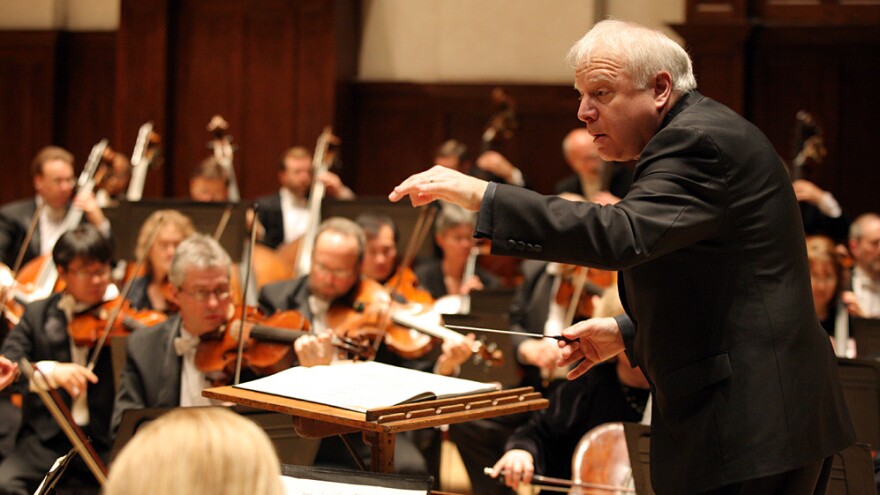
column 299, row 486
column 361, row 386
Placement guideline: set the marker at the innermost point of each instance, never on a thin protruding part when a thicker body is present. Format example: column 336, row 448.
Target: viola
column 577, row 287
column 369, row 317
column 267, row 348
column 86, row 328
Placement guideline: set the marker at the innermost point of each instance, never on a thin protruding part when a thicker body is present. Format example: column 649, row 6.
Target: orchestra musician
column 54, row 182
column 864, row 244
column 450, row 274
column 160, row 368
column 152, row 289
column 82, row 257
column 328, row 290
column 209, row 182
column 714, row 273
column 200, row 451
column 611, row 391
column 380, row 252
column 589, row 171
column 285, row 214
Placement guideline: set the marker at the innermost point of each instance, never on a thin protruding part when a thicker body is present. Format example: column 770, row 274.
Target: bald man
column 589, row 177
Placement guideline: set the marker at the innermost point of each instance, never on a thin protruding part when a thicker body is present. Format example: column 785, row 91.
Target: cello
column 37, row 279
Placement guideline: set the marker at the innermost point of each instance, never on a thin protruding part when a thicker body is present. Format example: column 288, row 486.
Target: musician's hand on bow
column 441, row 183
column 517, row 466
column 73, row 378
column 312, row 350
column 335, row 188
column 8, row 372
column 455, row 353
column 595, row 340
column 807, row 192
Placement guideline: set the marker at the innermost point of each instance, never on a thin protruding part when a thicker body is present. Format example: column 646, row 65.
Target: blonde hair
column 168, row 217
column 197, row 451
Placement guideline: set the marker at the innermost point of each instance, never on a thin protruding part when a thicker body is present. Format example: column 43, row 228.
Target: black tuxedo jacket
column 42, row 336
column 14, row 221
column 151, row 377
column 272, row 218
column 716, row 286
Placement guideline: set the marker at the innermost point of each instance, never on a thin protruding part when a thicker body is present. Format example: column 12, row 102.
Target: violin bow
column 420, row 232
column 53, row 402
column 114, row 314
column 557, row 484
column 244, row 293
column 32, row 227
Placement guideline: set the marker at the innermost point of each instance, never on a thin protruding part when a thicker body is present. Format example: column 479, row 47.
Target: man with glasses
column 82, row 257
column 160, row 369
column 54, row 182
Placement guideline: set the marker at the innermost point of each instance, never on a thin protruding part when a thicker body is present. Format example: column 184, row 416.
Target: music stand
column 492, row 300
column 408, row 483
column 866, row 331
column 127, row 217
column 860, row 379
column 291, row 448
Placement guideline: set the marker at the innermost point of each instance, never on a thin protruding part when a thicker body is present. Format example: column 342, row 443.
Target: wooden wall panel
column 27, row 98
column 56, row 88
column 141, row 85
column 86, row 93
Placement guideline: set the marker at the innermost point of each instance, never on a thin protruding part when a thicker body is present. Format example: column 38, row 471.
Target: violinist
column 114, row 182
column 160, row 369
column 285, row 214
column 545, row 443
column 82, row 257
column 453, row 234
column 380, row 253
column 54, row 182
column 152, row 290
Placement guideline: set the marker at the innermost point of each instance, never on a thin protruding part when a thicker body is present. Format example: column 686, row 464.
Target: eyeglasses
column 202, row 295
column 86, row 274
column 337, row 273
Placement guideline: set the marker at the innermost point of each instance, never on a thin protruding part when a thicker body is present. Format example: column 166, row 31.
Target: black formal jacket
column 715, row 283
column 42, row 336
column 430, row 275
column 14, row 221
column 151, row 377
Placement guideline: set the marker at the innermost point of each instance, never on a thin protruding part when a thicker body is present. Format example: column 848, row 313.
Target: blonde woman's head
column 197, row 451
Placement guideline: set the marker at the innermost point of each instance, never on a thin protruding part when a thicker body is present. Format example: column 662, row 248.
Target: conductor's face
column 621, row 117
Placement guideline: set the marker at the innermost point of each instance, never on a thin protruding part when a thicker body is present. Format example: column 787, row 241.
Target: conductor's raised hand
column 441, row 183
column 592, row 341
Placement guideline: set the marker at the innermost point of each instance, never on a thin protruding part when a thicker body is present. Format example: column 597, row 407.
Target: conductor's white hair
column 643, row 52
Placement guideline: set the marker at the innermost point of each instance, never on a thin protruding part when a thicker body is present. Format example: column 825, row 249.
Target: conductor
column 713, row 273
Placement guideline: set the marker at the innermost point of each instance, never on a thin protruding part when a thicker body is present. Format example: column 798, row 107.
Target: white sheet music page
column 362, row 386
column 299, row 486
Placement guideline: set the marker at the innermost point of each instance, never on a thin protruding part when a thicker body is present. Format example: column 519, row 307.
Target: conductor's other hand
column 312, row 350
column 442, row 183
column 517, row 466
column 595, row 340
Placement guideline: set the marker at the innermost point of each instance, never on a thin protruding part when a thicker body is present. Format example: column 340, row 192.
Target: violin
column 268, row 344
column 86, row 328
column 577, row 287
column 369, row 317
